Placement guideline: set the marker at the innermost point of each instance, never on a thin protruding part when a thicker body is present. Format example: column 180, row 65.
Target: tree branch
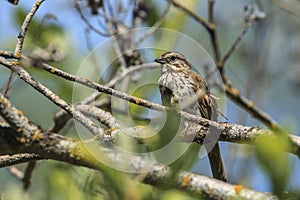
column 154, row 27
column 10, row 160
column 233, row 93
column 28, row 174
column 33, row 140
column 25, row 76
column 21, row 38
column 196, row 132
column 252, row 15
column 295, row 147
column 199, row 19
column 191, row 182
column 61, row 117
column 86, row 21
column 151, row 105
column 74, row 152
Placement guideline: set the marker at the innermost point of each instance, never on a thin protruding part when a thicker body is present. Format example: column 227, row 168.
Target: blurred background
column 265, row 68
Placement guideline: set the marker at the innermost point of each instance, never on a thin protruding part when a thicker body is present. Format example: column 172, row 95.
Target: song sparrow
column 181, row 87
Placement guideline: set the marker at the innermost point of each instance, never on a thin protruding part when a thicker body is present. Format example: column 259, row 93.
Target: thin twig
column 211, row 11
column 199, row 19
column 21, row 38
column 114, row 39
column 250, row 107
column 104, row 117
column 232, row 92
column 7, row 85
column 86, row 21
column 210, row 27
column 28, row 174
column 23, row 177
column 154, row 27
column 213, row 32
column 92, row 55
column 61, row 118
column 100, row 88
column 118, row 78
column 251, row 16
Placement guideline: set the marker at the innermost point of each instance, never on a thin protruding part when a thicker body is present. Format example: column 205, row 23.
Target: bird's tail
column 216, row 163
column 214, row 152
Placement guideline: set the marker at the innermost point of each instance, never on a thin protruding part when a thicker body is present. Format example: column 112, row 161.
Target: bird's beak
column 160, row 60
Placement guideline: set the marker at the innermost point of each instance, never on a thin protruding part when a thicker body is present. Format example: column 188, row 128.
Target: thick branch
column 28, row 138
column 74, row 152
column 7, row 160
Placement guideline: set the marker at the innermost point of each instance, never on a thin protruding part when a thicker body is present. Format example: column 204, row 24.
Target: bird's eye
column 173, row 58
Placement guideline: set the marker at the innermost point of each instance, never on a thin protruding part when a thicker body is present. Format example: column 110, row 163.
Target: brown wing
column 208, row 109
column 207, row 104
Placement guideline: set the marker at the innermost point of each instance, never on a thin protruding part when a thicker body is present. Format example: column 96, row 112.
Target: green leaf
column 274, row 161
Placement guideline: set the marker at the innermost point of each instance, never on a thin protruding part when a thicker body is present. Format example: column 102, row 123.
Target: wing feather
column 207, row 104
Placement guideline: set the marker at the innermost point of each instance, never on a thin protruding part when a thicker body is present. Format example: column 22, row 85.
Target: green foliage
column 178, row 195
column 98, row 184
column 275, row 162
column 187, row 159
column 110, row 184
column 137, row 112
column 290, row 196
column 40, row 33
column 46, row 34
column 182, row 155
column 169, row 130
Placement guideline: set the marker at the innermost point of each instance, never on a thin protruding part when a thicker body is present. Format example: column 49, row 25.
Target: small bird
column 183, row 88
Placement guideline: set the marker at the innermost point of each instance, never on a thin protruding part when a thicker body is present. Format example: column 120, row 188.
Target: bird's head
column 174, row 61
